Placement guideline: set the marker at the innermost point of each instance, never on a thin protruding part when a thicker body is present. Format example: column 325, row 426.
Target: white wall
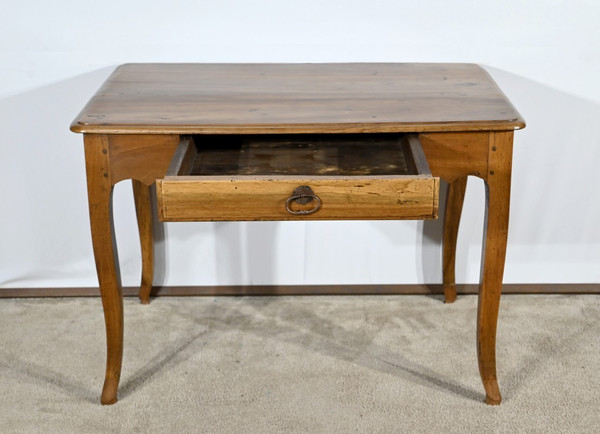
column 544, row 54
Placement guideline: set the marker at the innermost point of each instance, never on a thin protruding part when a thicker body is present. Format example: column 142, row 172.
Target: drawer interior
column 299, row 154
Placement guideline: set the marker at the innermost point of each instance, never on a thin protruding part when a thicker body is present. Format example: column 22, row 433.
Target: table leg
column 100, row 189
column 493, row 256
column 143, row 208
column 454, row 205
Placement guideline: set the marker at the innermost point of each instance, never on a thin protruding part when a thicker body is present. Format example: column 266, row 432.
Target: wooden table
column 367, row 133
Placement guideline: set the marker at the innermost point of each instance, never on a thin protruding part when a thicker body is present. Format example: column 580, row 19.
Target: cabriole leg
column 100, row 189
column 454, row 205
column 143, row 208
column 493, row 256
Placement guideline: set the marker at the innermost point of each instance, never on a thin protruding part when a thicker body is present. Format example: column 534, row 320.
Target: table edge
column 337, row 128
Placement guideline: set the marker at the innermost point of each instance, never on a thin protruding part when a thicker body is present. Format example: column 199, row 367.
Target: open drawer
column 298, row 177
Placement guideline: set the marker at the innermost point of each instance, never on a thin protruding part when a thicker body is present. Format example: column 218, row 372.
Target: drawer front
column 242, row 199
column 357, row 177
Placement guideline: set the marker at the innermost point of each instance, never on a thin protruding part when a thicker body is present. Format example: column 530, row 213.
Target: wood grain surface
column 247, row 198
column 454, row 203
column 100, row 189
column 292, row 98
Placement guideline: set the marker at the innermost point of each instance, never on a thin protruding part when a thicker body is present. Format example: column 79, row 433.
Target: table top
column 297, row 98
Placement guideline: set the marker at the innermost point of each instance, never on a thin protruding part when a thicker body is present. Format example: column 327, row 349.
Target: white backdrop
column 544, row 54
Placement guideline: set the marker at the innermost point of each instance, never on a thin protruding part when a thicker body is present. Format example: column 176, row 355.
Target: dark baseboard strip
column 238, row 290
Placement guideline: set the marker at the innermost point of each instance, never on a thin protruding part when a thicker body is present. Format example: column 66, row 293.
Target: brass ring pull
column 303, row 195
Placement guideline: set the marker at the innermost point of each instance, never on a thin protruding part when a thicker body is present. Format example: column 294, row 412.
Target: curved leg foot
column 493, row 256
column 143, row 208
column 113, row 314
column 100, row 190
column 109, row 391
column 454, row 204
column 449, row 293
column 495, row 398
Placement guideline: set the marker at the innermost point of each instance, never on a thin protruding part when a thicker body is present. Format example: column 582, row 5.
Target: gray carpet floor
column 300, row 364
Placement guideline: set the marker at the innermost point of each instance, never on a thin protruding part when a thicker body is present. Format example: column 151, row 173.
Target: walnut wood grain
column 454, row 204
column 455, row 155
column 100, row 189
column 250, row 198
column 143, row 210
column 297, row 98
column 144, row 158
column 497, row 182
column 110, row 159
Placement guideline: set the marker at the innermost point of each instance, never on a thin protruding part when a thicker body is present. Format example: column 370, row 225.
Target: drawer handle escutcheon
column 303, row 195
